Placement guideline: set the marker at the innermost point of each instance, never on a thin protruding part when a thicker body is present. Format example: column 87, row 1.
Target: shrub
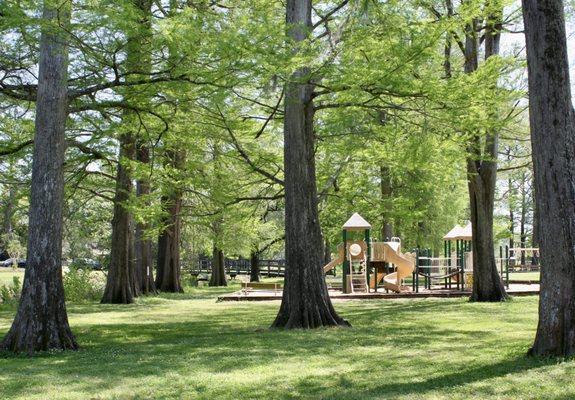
column 190, row 280
column 82, row 285
column 9, row 294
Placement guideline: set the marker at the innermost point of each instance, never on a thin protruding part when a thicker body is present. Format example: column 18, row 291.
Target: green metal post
column 368, row 260
column 507, row 266
column 416, row 270
column 461, row 262
column 501, row 261
column 344, row 264
column 428, row 263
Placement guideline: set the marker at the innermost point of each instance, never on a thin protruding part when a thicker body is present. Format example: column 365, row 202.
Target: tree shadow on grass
column 112, row 353
column 390, row 338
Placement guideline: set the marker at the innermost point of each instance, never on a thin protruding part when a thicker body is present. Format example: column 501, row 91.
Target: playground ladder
column 358, row 283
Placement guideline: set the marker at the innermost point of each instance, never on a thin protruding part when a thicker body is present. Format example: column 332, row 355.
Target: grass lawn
column 524, row 276
column 187, row 346
column 6, row 274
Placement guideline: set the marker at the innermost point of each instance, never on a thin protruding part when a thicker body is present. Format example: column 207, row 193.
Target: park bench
column 248, row 286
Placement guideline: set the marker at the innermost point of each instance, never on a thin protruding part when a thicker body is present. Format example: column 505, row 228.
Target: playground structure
column 372, row 269
column 367, row 263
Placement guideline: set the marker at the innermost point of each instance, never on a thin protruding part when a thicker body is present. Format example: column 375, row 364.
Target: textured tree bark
column 511, row 214
column 254, row 266
column 482, row 175
column 535, row 235
column 168, row 274
column 143, row 245
column 41, row 322
column 144, row 269
column 553, row 143
column 523, row 220
column 305, row 301
column 122, row 283
column 386, row 196
column 218, row 277
column 448, row 42
column 119, row 284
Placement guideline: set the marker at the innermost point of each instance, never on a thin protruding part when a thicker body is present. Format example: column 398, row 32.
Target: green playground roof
column 356, row 222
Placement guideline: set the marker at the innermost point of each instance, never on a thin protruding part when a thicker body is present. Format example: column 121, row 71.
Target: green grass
column 190, row 347
column 7, row 274
column 524, row 276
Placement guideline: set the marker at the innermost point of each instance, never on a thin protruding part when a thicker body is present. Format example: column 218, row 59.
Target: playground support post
column 507, row 266
column 462, row 255
column 501, row 261
column 368, row 261
column 344, row 264
column 428, row 265
column 416, row 271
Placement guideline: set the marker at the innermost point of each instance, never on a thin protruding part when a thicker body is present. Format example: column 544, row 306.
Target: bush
column 9, row 294
column 190, row 280
column 81, row 285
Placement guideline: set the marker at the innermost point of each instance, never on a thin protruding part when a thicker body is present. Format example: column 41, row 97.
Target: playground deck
column 515, row 289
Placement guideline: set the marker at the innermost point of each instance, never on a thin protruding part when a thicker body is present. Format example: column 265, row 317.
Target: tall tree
column 122, row 284
column 41, row 322
column 143, row 244
column 482, row 172
column 552, row 136
column 168, row 275
column 254, row 266
column 305, row 301
column 218, row 275
column 386, row 197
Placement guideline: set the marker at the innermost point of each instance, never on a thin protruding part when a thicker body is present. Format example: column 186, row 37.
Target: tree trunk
column 522, row 222
column 41, row 322
column 511, row 217
column 482, row 176
column 143, row 245
column 535, row 234
column 122, row 283
column 448, row 42
column 487, row 285
column 386, row 197
column 552, row 137
column 119, row 285
column 144, row 269
column 218, row 277
column 305, row 301
column 168, row 274
column 254, row 266
column 511, row 198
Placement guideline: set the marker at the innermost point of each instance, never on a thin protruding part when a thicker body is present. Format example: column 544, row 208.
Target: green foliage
column 10, row 293
column 213, row 90
column 83, row 285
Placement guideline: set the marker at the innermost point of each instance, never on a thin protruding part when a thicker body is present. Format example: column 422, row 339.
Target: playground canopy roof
column 459, row 233
column 356, row 223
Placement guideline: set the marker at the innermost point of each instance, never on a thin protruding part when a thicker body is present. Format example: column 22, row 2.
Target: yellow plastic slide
column 404, row 263
column 335, row 262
